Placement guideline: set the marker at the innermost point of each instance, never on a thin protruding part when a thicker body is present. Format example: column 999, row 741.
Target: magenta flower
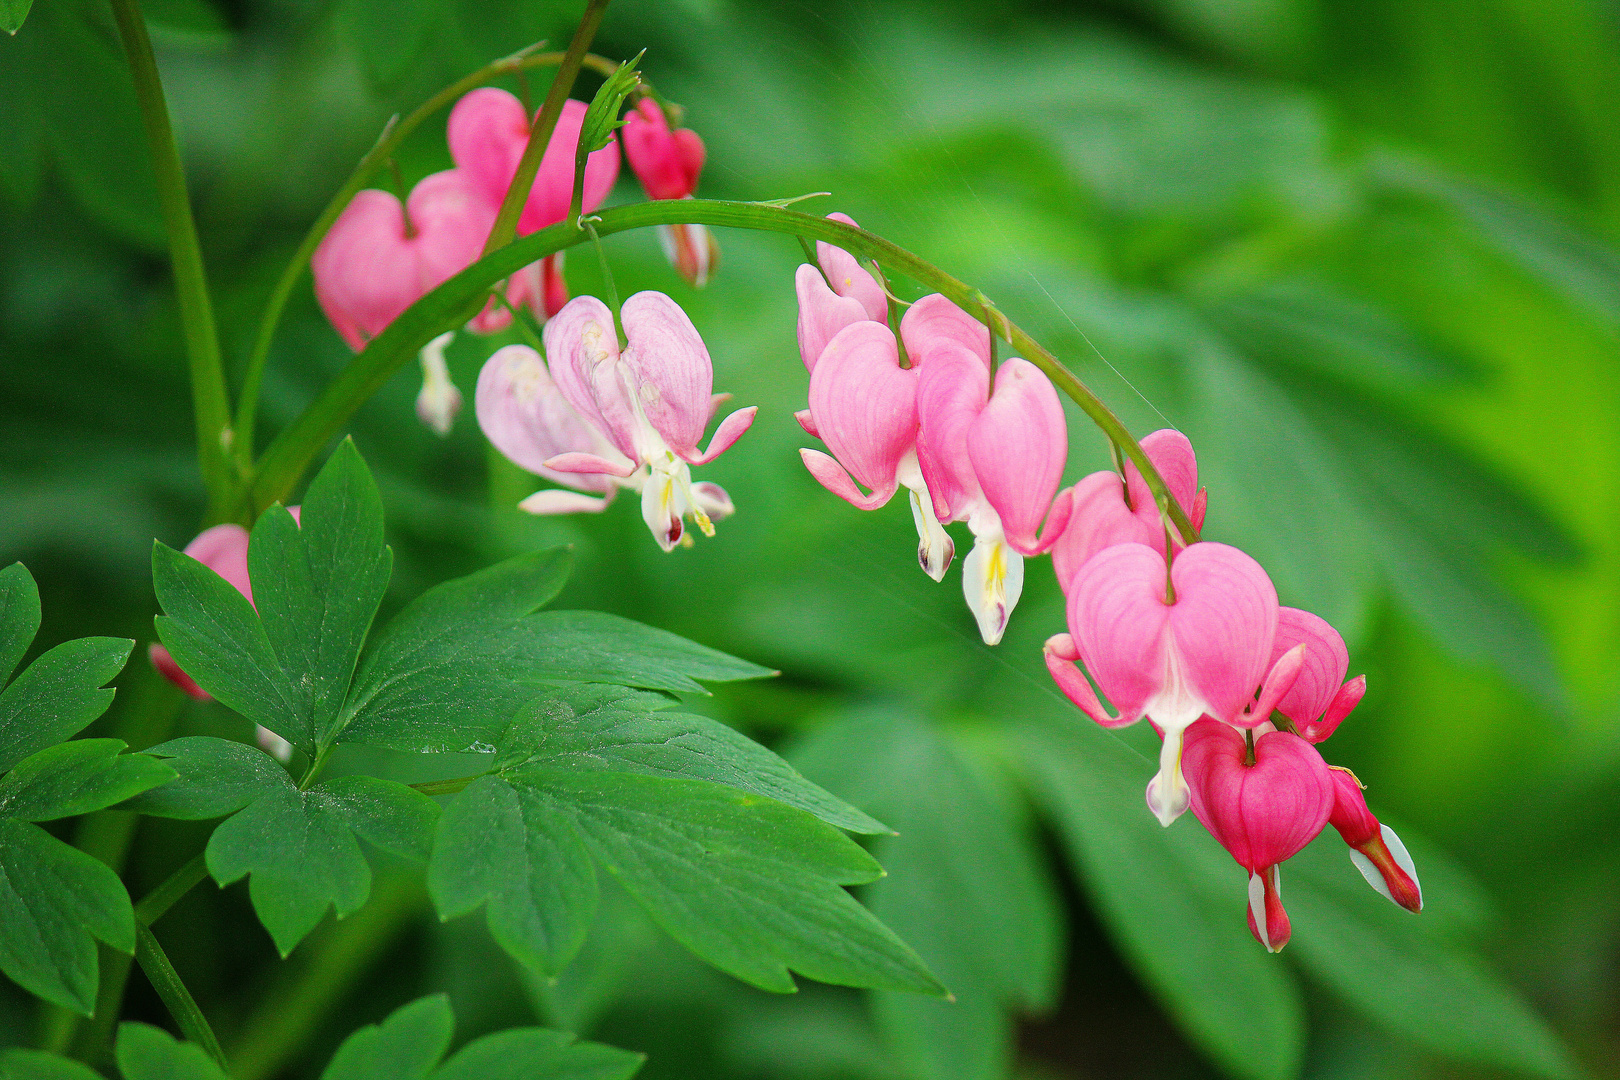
column 373, row 264
column 223, row 549
column 525, row 417
column 668, row 163
column 1316, row 702
column 1109, row 511
column 488, row 131
column 1172, row 643
column 1262, row 811
column 993, row 461
column 652, row 400
column 1375, row 849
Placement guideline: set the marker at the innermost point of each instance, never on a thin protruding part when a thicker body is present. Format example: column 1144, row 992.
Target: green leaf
column 144, row 1052
column 76, row 778
column 317, row 584
column 1173, row 901
column 214, row 777
column 966, row 887
column 539, row 1054
column 299, row 848
column 406, row 1046
column 16, row 1064
column 448, row 674
column 1397, row 970
column 605, row 727
column 58, row 695
column 12, row 14
column 509, row 845
column 55, row 902
column 386, row 35
column 748, row 884
column 439, row 676
column 19, row 617
column 216, row 638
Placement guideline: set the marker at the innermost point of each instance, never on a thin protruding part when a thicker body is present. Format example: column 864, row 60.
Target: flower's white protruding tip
column 439, row 401
column 1403, row 859
column 1257, row 909
column 992, row 582
column 935, row 549
column 1168, row 795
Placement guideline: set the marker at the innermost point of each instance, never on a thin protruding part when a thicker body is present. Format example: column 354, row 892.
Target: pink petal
column 822, row 313
column 729, row 431
column 952, row 389
column 1224, row 619
column 833, row 477
column 1172, row 455
column 554, row 501
column 554, row 184
column 1018, row 446
column 848, row 278
column 1348, row 697
column 589, row 464
column 1099, row 519
column 934, row 321
column 579, row 339
column 666, row 165
column 691, row 250
column 223, row 549
column 524, row 415
column 865, row 405
column 713, row 500
column 487, row 131
column 1277, row 683
column 672, row 369
column 160, row 658
column 365, row 272
column 1061, row 654
column 553, row 286
column 1120, row 623
column 452, row 222
column 807, row 422
column 1268, row 921
column 1263, row 813
column 1326, row 661
column 689, row 148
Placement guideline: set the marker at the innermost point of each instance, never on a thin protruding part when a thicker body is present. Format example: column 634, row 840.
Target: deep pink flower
column 1262, row 812
column 652, row 400
column 1316, row 703
column 668, row 163
column 1204, row 652
column 1108, row 510
column 1375, row 849
column 369, row 267
column 525, row 417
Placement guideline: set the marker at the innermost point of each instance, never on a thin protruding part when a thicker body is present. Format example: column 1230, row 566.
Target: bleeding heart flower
column 835, row 293
column 439, row 402
column 1172, row 643
column 1262, row 810
column 652, row 400
column 1316, row 703
column 223, row 549
column 1108, row 510
column 525, row 417
column 668, row 163
column 1374, row 848
column 373, row 263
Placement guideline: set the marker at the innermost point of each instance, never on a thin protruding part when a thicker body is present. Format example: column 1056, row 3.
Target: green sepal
column 602, row 118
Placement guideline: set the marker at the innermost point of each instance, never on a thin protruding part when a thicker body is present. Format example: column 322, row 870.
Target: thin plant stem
column 156, row 904
column 181, row 1005
column 210, row 403
column 607, row 280
column 517, row 193
column 392, row 136
column 295, row 449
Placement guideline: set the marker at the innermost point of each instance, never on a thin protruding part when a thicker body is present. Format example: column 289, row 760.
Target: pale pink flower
column 1317, row 701
column 833, row 294
column 1172, row 644
column 1375, row 849
column 668, row 163
column 653, row 400
column 1262, row 812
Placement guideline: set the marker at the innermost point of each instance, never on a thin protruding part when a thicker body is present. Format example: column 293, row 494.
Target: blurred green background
column 1362, row 251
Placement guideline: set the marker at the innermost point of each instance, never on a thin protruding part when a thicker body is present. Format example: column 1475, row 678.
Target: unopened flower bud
column 1375, row 849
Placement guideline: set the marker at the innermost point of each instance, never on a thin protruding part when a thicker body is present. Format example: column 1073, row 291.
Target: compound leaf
column 76, row 778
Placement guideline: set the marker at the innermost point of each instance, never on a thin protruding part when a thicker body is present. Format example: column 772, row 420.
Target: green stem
column 291, row 454
column 506, row 221
column 208, row 396
column 155, row 904
column 182, row 1006
column 248, row 408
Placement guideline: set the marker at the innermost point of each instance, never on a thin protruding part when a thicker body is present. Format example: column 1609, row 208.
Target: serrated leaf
column 214, row 777
column 317, row 583
column 1398, row 971
column 748, row 884
column 58, row 695
column 144, row 1052
column 19, row 617
column 76, row 778
column 55, row 902
column 510, row 846
column 216, row 638
column 965, row 887
column 539, row 1054
column 12, row 14
column 437, row 677
column 405, row 1046
column 1173, row 901
column 601, row 727
column 17, row 1064
column 299, row 848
